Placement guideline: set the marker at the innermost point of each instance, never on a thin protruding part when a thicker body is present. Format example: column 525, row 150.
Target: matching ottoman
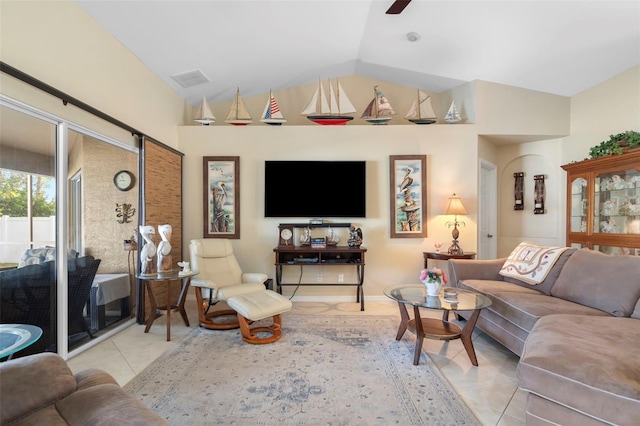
column 256, row 306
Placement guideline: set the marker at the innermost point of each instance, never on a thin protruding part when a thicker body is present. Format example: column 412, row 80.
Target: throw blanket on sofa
column 530, row 262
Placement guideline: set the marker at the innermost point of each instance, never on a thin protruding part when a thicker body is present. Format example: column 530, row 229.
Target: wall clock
column 124, row 180
column 285, row 234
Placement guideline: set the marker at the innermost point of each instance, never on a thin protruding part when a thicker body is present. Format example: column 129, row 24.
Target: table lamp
column 455, row 208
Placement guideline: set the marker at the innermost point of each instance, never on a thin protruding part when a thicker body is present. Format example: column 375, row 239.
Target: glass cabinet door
column 617, row 202
column 579, row 205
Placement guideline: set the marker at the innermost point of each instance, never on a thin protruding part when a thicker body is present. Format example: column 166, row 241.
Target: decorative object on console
column 518, row 191
column 539, row 194
column 453, row 115
column 164, row 248
column 238, row 114
column 204, row 115
column 437, row 247
column 221, row 184
column 186, row 268
column 355, row 237
column 124, row 212
column 330, row 111
column 285, row 236
column 408, row 174
column 421, row 111
column 148, row 251
column 305, row 237
column 272, row 114
column 332, row 239
column 455, row 208
column 379, row 110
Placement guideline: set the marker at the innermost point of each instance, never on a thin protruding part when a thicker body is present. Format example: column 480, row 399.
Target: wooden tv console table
column 330, row 256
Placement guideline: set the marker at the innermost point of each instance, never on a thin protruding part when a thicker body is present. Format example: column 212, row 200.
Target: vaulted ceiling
column 559, row 47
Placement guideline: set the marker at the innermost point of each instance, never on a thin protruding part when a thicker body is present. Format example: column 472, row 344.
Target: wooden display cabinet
column 603, row 203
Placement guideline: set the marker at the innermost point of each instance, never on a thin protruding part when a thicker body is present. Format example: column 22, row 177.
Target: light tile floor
column 490, row 389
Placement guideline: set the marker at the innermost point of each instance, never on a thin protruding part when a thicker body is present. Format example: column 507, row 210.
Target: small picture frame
column 408, row 196
column 221, row 197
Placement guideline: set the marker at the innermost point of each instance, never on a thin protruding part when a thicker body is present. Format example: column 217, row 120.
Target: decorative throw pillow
column 530, row 262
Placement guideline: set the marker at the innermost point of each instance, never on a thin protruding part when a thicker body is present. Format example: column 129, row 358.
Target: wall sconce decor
column 538, row 206
column 124, row 212
column 518, row 191
column 455, row 208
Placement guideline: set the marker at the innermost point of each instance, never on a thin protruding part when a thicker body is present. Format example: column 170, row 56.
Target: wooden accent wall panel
column 163, row 204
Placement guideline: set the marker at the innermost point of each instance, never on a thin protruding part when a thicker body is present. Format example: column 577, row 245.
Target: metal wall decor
column 538, row 205
column 518, row 191
column 124, row 212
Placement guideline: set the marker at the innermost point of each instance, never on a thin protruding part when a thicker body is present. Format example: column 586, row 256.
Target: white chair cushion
column 260, row 304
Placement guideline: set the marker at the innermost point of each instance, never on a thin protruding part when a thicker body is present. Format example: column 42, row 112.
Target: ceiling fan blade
column 397, row 7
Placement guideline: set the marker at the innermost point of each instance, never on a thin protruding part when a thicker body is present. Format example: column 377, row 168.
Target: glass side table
column 15, row 337
column 416, row 296
column 156, row 311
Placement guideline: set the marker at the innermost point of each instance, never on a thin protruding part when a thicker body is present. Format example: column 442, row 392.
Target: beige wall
column 451, row 167
column 59, row 44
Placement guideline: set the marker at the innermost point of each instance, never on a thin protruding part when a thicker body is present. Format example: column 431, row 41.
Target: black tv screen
column 315, row 189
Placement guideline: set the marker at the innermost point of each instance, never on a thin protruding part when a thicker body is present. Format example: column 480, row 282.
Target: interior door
column 487, row 211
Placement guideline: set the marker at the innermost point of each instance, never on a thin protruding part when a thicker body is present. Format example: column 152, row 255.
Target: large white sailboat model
column 204, row 115
column 421, row 111
column 453, row 115
column 379, row 110
column 272, row 114
column 238, row 114
column 329, row 111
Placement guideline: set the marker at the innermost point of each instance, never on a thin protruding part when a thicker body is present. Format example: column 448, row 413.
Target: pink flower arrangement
column 433, row 275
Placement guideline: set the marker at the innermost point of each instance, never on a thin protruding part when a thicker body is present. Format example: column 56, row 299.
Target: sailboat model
column 421, row 111
column 379, row 110
column 329, row 111
column 272, row 114
column 204, row 115
column 238, row 114
column 453, row 115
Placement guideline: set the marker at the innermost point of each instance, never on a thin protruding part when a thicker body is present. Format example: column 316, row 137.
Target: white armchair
column 220, row 277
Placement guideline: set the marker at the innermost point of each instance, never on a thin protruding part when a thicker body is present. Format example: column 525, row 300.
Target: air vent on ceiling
column 190, row 78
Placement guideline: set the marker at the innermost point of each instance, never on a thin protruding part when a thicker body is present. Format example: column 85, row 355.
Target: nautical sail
column 453, row 116
column 204, row 115
column 329, row 111
column 379, row 110
column 421, row 111
column 238, row 113
column 272, row 114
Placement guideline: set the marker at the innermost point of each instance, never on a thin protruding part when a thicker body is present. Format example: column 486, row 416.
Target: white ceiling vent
column 190, row 78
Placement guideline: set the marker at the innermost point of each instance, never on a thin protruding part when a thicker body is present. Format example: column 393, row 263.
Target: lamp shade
column 455, row 206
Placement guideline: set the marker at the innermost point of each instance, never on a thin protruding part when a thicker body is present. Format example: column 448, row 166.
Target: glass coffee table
column 15, row 337
column 416, row 296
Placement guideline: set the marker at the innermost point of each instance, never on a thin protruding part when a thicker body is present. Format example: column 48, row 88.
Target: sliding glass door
column 59, row 206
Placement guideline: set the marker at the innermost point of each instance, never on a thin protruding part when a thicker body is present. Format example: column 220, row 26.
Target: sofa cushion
column 30, row 383
column 608, row 283
column 552, row 274
column 586, row 363
column 530, row 262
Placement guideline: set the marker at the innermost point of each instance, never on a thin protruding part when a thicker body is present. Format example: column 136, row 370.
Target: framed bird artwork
column 408, row 194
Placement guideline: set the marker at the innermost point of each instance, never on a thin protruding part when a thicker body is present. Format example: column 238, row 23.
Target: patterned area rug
column 339, row 370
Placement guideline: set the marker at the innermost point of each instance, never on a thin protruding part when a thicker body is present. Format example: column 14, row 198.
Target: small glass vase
column 433, row 287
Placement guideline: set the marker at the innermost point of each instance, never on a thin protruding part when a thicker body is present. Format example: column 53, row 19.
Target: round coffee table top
column 15, row 337
column 416, row 295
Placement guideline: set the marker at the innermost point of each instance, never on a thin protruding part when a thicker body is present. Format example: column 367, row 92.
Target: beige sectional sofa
column 577, row 334
column 41, row 390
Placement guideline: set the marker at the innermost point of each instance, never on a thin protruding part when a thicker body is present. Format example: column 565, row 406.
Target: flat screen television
column 315, row 189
